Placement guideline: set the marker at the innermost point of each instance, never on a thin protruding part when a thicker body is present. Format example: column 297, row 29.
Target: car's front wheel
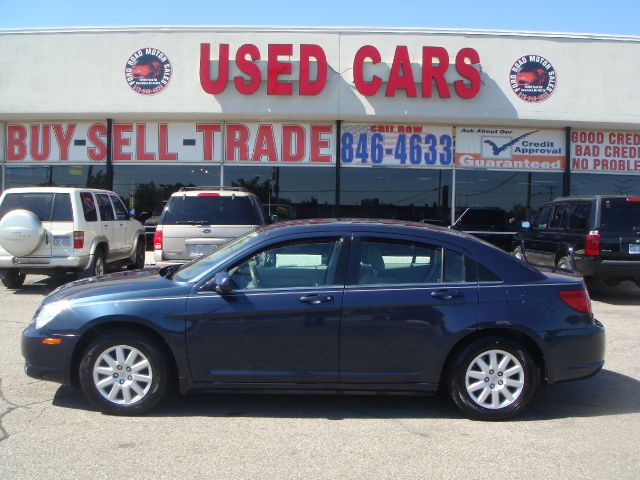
column 517, row 252
column 493, row 378
column 123, row 373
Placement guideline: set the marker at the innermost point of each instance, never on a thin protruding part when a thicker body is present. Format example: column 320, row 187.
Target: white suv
column 45, row 230
column 197, row 220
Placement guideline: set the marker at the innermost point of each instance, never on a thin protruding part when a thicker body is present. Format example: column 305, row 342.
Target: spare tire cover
column 20, row 232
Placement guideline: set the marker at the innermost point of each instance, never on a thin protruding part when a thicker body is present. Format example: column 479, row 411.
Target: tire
column 478, row 392
column 138, row 264
column 97, row 266
column 565, row 263
column 13, row 278
column 517, row 252
column 110, row 386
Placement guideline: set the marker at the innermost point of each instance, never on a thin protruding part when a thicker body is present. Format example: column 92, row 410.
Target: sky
column 618, row 17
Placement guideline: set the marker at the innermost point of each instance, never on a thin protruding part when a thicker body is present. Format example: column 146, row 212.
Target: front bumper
column 47, row 362
column 575, row 353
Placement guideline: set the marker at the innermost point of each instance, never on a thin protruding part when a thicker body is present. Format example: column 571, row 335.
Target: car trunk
column 620, row 229
column 186, row 242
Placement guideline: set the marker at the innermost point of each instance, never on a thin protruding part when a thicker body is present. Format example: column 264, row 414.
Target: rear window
column 38, row 203
column 62, row 211
column 209, row 210
column 620, row 215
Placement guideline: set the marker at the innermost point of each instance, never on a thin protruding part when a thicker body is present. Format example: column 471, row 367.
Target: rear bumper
column 596, row 267
column 44, row 262
column 47, row 362
column 574, row 354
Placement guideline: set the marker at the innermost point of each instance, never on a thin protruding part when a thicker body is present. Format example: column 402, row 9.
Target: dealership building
column 411, row 124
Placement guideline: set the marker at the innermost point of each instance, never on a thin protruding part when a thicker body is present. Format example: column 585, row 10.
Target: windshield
column 209, row 210
column 192, row 271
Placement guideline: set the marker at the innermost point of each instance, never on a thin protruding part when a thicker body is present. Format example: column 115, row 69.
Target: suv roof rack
column 232, row 189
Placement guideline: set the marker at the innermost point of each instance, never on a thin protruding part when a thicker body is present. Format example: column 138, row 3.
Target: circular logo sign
column 148, row 71
column 533, row 78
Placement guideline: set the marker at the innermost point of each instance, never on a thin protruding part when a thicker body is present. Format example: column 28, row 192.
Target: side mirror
column 222, row 283
column 525, row 225
column 275, row 218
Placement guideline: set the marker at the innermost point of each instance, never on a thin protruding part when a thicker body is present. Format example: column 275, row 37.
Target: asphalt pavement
column 587, row 429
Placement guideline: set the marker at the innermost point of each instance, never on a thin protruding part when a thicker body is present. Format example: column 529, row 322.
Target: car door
column 280, row 323
column 107, row 220
column 122, row 222
column 551, row 238
column 533, row 246
column 405, row 300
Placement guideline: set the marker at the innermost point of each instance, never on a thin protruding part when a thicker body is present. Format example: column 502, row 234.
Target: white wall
column 79, row 74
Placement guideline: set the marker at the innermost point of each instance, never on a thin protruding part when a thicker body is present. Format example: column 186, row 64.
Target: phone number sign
column 412, row 146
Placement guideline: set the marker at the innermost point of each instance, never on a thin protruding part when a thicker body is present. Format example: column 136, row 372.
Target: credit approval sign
column 504, row 148
column 171, row 143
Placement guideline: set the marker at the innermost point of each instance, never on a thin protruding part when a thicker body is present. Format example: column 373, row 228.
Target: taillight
column 78, row 239
column 205, row 194
column 157, row 239
column 633, row 200
column 577, row 299
column 592, row 244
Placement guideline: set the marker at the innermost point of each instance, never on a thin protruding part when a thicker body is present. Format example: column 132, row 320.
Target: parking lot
column 586, row 429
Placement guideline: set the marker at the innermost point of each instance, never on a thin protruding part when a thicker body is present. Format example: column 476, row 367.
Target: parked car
column 598, row 236
column 488, row 223
column 314, row 305
column 151, row 222
column 45, row 230
column 197, row 220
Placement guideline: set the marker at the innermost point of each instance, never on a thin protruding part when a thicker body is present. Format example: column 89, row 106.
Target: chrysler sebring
column 333, row 305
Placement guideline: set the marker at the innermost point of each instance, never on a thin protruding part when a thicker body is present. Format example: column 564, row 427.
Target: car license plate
column 634, row 248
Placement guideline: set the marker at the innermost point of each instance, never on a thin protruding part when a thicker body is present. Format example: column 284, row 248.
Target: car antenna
column 459, row 218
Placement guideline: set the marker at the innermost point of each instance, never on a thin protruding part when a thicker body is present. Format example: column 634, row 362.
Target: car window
column 556, row 219
column 121, row 211
column 620, row 214
column 106, row 210
column 395, row 262
column 38, row 203
column 62, row 211
column 299, row 264
column 485, row 274
column 209, row 209
column 542, row 220
column 579, row 213
column 89, row 207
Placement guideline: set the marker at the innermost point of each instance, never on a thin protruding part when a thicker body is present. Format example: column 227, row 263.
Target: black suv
column 597, row 236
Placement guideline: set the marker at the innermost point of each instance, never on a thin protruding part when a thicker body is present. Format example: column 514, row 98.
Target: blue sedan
column 331, row 305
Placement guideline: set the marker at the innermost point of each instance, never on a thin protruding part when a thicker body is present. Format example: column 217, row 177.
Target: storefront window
column 500, row 200
column 603, row 184
column 144, row 187
column 94, row 176
column 398, row 193
column 289, row 192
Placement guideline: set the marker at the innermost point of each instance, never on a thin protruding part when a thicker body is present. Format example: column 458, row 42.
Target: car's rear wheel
column 123, row 373
column 97, row 266
column 138, row 263
column 493, row 378
column 13, row 278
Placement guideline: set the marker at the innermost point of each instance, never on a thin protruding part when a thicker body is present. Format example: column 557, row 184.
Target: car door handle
column 447, row 294
column 316, row 299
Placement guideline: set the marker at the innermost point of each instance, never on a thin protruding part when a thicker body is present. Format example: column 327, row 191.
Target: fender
column 95, row 242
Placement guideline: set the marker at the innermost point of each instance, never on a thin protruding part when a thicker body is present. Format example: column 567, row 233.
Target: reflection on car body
column 348, row 305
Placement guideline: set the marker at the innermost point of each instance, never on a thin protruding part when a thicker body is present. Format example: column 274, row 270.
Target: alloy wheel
column 122, row 375
column 495, row 379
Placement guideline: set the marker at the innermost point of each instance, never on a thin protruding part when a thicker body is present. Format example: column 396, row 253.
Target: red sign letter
column 141, row 140
column 208, row 131
column 431, row 72
column 307, row 87
column 163, row 147
column 220, row 84
column 398, row 80
column 98, row 152
column 367, row 89
column 64, row 138
column 248, row 67
column 317, row 143
column 16, row 142
column 467, row 71
column 276, row 68
column 37, row 153
column 288, row 132
column 265, row 144
column 237, row 138
column 119, row 141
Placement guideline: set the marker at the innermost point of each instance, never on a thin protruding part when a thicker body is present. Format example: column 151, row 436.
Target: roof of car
column 53, row 190
column 213, row 192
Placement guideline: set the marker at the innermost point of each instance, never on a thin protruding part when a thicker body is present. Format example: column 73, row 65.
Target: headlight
column 49, row 311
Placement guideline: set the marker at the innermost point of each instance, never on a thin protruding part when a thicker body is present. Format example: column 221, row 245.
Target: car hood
column 120, row 285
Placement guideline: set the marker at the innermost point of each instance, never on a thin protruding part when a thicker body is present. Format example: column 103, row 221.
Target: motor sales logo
column 148, row 71
column 533, row 78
